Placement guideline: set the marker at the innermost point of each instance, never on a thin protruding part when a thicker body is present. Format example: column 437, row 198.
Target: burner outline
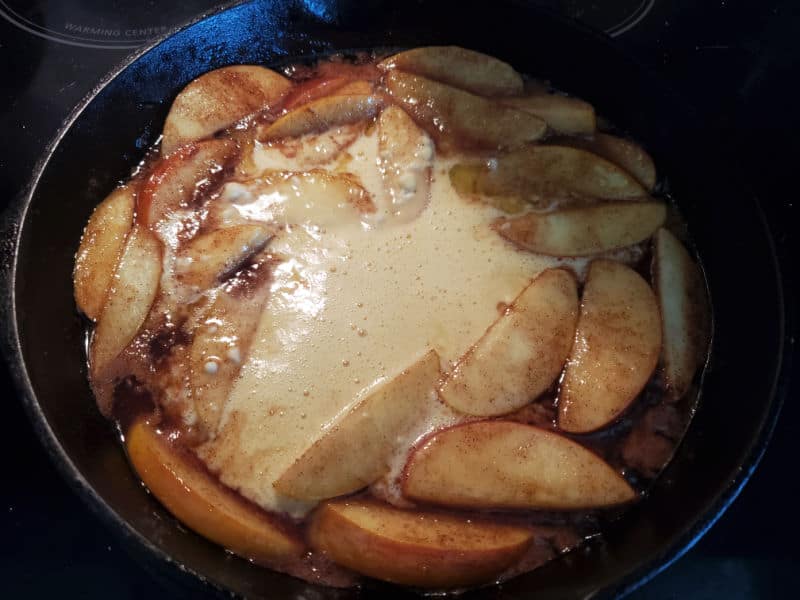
column 123, row 43
column 16, row 19
column 632, row 20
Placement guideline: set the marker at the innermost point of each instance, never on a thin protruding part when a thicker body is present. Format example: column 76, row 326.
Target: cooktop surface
column 737, row 62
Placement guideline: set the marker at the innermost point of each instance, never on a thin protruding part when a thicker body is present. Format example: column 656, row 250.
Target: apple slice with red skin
column 685, row 312
column 418, row 548
column 617, row 345
column 322, row 114
column 461, row 68
column 180, row 482
column 508, row 465
column 355, row 450
column 218, row 99
column 177, row 180
column 312, row 89
column 101, row 245
column 521, row 354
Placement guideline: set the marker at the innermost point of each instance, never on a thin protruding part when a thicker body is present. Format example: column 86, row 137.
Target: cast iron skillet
column 107, row 135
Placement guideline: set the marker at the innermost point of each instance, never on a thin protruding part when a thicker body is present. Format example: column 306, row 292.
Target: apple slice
column 422, row 549
column 468, row 180
column 218, row 99
column 583, row 230
column 616, row 348
column 209, row 256
column 130, row 296
column 450, row 114
column 502, row 464
column 319, row 87
column 406, row 157
column 522, row 353
column 356, row 87
column 182, row 484
column 312, row 89
column 101, row 246
column 685, row 313
column 536, row 171
column 466, row 69
column 223, row 336
column 183, row 177
column 625, row 153
column 355, row 450
column 323, row 113
column 287, row 197
column 562, row 113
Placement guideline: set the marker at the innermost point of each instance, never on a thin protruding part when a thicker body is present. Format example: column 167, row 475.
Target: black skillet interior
column 109, row 136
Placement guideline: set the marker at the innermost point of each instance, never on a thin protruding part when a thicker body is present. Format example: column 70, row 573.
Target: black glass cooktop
column 99, row 24
column 736, row 61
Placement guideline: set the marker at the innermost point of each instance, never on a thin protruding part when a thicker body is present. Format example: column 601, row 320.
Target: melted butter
column 350, row 308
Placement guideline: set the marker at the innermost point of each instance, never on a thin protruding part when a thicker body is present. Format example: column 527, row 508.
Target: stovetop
column 737, row 62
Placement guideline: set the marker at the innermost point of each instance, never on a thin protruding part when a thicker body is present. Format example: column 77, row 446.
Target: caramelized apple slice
column 562, row 113
column 355, row 450
column 101, row 245
column 316, row 88
column 224, row 334
column 583, row 230
column 536, row 171
column 616, row 348
column 423, row 549
column 501, row 464
column 182, row 177
column 181, row 483
column 317, row 196
column 466, row 69
column 209, row 256
column 330, row 79
column 467, row 181
column 627, row 154
column 406, row 156
column 218, row 99
column 450, row 114
column 522, row 353
column 325, row 149
column 312, row 89
column 130, row 297
column 323, row 113
column 685, row 313
column 357, row 87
